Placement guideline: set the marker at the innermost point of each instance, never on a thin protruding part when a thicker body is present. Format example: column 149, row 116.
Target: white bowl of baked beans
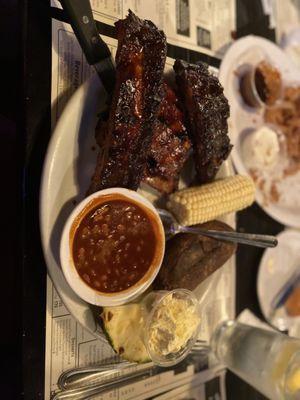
column 112, row 247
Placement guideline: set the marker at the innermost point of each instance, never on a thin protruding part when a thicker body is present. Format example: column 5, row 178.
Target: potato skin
column 190, row 259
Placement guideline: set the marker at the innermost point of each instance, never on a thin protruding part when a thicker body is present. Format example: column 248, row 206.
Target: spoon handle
column 89, row 391
column 251, row 239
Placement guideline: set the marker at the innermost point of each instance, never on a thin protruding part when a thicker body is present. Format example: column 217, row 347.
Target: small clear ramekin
column 150, row 306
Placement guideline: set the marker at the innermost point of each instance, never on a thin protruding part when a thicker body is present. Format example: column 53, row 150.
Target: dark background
column 25, row 40
column 10, row 167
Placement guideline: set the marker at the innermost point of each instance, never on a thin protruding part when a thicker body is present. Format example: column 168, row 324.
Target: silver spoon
column 172, row 227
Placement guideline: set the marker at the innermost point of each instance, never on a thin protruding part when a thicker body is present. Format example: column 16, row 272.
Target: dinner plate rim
column 80, row 93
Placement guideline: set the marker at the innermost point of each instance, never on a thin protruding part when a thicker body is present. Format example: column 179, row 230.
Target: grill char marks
column 206, row 110
column 170, row 145
column 127, row 136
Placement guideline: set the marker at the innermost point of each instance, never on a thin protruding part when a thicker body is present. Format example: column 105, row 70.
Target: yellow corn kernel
column 204, row 203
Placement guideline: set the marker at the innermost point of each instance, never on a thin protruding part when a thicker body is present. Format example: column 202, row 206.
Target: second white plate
column 276, row 266
column 243, row 117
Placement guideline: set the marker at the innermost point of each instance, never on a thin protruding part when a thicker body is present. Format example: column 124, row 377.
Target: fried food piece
column 170, row 146
column 190, row 259
column 206, row 110
column 287, row 117
column 140, row 61
column 292, row 304
column 268, row 82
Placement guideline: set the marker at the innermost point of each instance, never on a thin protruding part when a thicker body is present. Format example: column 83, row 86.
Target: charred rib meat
column 140, row 61
column 169, row 147
column 189, row 259
column 207, row 111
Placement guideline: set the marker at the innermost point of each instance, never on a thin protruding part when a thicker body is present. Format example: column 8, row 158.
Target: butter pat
column 261, row 149
column 174, row 323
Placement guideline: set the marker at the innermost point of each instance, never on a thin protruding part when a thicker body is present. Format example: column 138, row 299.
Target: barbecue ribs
column 206, row 110
column 140, row 61
column 169, row 147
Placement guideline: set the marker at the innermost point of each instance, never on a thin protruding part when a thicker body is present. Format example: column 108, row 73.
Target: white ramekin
column 86, row 292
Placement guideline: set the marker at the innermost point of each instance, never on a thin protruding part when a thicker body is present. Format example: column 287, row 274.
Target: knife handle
column 81, row 18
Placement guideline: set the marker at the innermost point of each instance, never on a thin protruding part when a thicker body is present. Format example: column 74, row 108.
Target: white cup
column 71, row 274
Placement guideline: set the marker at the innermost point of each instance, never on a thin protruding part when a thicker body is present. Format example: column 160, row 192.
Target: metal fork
column 172, row 227
column 85, row 382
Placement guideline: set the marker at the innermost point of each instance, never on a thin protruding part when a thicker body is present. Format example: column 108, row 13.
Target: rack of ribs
column 126, row 139
column 170, row 146
column 206, row 110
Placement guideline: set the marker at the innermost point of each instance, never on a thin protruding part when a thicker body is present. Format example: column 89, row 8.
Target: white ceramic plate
column 69, row 164
column 243, row 117
column 276, row 266
column 291, row 46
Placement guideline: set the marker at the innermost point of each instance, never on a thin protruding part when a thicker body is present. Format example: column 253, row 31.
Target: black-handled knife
column 95, row 49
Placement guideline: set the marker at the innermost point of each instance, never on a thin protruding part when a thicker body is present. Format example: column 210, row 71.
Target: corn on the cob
column 204, row 203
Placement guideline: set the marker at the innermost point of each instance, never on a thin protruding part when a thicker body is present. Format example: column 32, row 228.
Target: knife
column 95, row 49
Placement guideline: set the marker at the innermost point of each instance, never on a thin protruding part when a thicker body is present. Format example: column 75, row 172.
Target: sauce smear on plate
column 114, row 245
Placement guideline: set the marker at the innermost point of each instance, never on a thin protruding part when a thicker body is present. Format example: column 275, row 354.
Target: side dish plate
column 276, row 267
column 243, row 117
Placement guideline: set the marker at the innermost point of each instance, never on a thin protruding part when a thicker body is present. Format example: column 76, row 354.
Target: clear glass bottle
column 266, row 359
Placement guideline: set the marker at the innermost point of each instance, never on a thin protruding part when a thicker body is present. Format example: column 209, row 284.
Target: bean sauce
column 114, row 245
